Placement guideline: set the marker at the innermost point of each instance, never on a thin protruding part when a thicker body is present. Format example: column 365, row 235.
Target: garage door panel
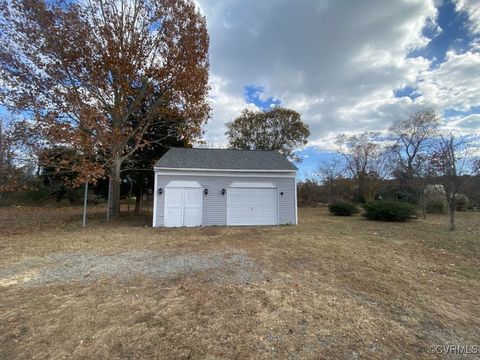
column 193, row 197
column 183, row 207
column 193, row 207
column 174, row 197
column 193, row 217
column 252, row 206
column 173, row 207
column 173, row 217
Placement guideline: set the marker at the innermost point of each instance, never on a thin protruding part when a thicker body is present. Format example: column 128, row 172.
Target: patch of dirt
column 65, row 267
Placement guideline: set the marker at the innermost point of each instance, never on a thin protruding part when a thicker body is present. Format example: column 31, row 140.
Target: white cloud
column 337, row 63
column 225, row 107
column 454, row 84
column 472, row 8
column 464, row 125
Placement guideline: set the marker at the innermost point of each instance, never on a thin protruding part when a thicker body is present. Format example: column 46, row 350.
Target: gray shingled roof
column 224, row 159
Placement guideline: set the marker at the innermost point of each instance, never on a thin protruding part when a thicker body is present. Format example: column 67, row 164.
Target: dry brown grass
column 338, row 288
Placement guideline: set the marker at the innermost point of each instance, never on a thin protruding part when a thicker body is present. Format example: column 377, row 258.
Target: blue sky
column 454, row 34
column 346, row 67
column 3, row 112
column 256, row 95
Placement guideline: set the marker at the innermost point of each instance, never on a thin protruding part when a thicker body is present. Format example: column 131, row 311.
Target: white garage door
column 183, row 206
column 252, row 206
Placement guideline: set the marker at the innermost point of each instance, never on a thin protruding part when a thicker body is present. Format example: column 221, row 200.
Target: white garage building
column 201, row 187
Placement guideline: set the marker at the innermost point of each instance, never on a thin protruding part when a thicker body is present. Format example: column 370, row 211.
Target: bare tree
column 476, row 167
column 449, row 162
column 366, row 160
column 5, row 158
column 329, row 172
column 413, row 138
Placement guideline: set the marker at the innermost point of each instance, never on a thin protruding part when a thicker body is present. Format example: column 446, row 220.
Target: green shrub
column 436, row 206
column 461, row 202
column 388, row 210
column 342, row 208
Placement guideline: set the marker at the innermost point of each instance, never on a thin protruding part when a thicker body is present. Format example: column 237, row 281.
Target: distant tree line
column 403, row 164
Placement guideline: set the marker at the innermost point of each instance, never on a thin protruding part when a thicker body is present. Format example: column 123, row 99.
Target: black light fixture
column 281, row 193
column 160, row 191
column 223, row 191
column 205, row 191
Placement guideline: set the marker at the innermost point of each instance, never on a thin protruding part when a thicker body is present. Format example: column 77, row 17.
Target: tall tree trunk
column 451, row 206
column 130, row 196
column 421, row 200
column 114, row 206
column 139, row 199
column 1, row 149
column 368, row 193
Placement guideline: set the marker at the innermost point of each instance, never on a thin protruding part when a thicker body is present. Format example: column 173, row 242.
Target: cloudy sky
column 346, row 66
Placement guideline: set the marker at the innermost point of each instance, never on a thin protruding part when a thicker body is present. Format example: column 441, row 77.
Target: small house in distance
column 201, row 187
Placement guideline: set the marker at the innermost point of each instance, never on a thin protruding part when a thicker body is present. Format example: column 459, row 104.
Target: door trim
column 183, row 183
column 262, row 185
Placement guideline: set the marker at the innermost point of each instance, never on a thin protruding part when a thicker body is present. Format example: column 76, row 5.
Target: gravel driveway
column 89, row 266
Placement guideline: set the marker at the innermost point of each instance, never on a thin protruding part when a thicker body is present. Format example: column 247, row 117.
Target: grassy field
column 331, row 287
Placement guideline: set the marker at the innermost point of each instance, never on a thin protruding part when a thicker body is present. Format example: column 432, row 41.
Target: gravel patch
column 90, row 266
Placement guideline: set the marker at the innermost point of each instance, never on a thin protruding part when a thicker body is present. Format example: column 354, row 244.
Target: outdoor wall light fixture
column 223, row 191
column 281, row 193
column 205, row 191
column 160, row 191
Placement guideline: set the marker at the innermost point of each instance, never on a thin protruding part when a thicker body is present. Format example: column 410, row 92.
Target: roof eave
column 157, row 168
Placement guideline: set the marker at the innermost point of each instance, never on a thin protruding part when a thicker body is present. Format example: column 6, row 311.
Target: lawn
column 331, row 287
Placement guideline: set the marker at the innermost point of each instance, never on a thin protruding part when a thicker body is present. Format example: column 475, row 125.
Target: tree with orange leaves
column 87, row 70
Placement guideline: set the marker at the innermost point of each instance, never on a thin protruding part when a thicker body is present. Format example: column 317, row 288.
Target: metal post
column 85, row 200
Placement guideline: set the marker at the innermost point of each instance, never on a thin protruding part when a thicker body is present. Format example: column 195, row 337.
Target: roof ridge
column 188, row 148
